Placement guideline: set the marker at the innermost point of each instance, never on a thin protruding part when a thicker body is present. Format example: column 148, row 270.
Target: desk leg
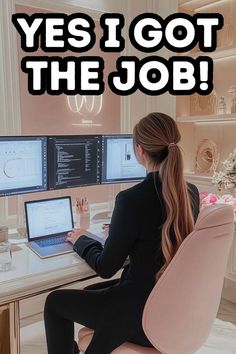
column 4, row 330
column 14, row 315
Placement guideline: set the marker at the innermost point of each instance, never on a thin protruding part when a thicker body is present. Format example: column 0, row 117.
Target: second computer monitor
column 74, row 161
column 119, row 162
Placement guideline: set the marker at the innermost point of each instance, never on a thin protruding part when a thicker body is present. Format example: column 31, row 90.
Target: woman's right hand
column 105, row 228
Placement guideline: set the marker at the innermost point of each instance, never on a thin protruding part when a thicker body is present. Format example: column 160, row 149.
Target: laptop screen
column 48, row 217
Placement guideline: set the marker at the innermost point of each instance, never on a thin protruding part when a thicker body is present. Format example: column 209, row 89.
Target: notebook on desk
column 48, row 222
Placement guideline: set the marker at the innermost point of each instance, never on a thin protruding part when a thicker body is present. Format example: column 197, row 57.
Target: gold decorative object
column 232, row 91
column 221, row 107
column 207, row 157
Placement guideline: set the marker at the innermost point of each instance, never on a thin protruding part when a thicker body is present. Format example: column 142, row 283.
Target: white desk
column 30, row 276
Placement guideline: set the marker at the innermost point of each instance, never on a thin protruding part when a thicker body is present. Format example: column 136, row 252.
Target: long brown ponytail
column 158, row 135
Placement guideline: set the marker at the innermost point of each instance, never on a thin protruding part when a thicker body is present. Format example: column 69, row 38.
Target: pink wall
column 49, row 115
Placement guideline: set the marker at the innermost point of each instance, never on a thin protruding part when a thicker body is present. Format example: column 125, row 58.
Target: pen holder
column 82, row 213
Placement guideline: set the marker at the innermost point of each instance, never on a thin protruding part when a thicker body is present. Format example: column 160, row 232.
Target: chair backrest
column 182, row 306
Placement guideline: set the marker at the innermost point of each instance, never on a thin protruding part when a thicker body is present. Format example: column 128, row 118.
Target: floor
column 222, row 339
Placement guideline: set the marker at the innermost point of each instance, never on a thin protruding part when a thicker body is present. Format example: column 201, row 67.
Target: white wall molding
column 3, row 95
column 9, row 87
column 165, row 103
column 125, row 110
column 10, row 71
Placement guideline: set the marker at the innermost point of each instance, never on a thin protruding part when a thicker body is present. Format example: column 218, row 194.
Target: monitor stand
column 21, row 229
column 20, row 211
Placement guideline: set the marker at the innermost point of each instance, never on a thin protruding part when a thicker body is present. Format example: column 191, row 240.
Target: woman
column 149, row 222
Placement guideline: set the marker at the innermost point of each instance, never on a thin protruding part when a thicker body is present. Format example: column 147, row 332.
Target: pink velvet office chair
column 182, row 306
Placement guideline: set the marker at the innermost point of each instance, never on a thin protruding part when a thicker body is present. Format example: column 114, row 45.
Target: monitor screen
column 119, row 161
column 23, row 165
column 48, row 217
column 74, row 161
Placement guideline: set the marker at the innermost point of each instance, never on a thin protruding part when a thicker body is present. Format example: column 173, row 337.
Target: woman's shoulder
column 135, row 192
column 193, row 189
column 195, row 199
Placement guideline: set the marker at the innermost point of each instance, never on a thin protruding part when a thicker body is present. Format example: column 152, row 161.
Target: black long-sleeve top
column 135, row 231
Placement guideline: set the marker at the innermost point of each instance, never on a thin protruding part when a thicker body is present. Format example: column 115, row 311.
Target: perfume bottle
column 221, row 109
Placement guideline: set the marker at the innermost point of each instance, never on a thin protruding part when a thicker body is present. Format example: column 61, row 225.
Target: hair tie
column 170, row 145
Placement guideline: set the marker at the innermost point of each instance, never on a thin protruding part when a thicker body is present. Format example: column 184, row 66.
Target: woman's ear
column 140, row 150
column 140, row 155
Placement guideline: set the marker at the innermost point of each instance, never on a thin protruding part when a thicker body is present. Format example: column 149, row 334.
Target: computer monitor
column 74, row 161
column 119, row 164
column 23, row 165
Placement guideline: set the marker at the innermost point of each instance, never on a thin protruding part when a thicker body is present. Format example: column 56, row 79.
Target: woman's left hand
column 74, row 235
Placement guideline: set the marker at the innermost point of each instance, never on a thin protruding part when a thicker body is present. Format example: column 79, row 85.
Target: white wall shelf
column 208, row 118
column 222, row 53
column 196, row 4
column 194, row 177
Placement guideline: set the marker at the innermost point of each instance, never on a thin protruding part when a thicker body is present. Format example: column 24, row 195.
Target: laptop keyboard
column 56, row 240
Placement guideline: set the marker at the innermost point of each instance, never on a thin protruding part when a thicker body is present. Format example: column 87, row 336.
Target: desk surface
column 31, row 275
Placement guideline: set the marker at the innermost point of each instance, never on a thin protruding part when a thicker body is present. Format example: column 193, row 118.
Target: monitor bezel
column 105, row 181
column 51, row 187
column 45, row 200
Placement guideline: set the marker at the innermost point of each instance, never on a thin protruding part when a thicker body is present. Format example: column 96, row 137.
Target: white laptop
column 48, row 222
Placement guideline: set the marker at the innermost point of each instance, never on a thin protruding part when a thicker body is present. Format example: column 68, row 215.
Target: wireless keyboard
column 55, row 240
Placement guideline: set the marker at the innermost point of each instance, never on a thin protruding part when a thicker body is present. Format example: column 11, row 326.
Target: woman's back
column 137, row 225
